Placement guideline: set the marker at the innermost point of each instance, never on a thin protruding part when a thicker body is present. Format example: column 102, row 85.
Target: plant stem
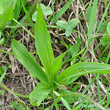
column 4, row 87
column 23, row 28
column 6, row 52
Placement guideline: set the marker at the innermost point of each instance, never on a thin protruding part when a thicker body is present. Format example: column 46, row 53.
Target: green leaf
column 43, row 42
column 101, row 25
column 61, row 24
column 1, row 70
column 5, row 3
column 17, row 9
column 45, row 9
column 108, row 28
column 88, row 12
column 74, row 50
column 34, row 16
column 62, row 11
column 2, row 92
column 39, row 93
column 63, row 100
column 105, row 40
column 6, row 15
column 26, row 13
column 92, row 20
column 71, row 80
column 1, row 39
column 83, row 68
column 56, row 64
column 69, row 96
column 67, row 26
column 24, row 57
column 68, row 31
column 73, row 23
column 17, row 106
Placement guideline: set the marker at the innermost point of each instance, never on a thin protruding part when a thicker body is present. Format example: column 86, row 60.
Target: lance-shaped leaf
column 6, row 15
column 6, row 3
column 39, row 93
column 74, row 50
column 62, row 11
column 24, row 57
column 92, row 20
column 56, row 65
column 43, row 42
column 83, row 68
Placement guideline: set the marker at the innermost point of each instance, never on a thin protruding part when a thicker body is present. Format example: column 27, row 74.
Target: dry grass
column 18, row 78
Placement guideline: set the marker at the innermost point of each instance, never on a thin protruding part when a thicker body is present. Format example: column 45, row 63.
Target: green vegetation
column 58, row 76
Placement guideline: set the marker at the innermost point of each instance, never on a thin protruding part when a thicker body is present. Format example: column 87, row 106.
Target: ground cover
column 54, row 55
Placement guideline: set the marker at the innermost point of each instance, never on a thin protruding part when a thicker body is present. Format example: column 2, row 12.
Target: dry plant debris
column 17, row 77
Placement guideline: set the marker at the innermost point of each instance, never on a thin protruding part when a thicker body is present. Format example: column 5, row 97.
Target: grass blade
column 92, row 20
column 84, row 91
column 26, row 12
column 98, row 88
column 62, row 11
column 63, row 100
column 103, row 17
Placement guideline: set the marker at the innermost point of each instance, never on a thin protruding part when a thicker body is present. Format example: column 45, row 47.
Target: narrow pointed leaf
column 1, row 70
column 24, row 57
column 39, row 93
column 69, row 96
column 6, row 15
column 62, row 11
column 43, row 42
column 56, row 64
column 92, row 20
column 74, row 50
column 100, row 26
column 2, row 74
column 4, row 4
column 83, row 68
column 63, row 100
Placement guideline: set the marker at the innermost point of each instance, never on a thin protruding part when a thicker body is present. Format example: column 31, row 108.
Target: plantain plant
column 50, row 77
